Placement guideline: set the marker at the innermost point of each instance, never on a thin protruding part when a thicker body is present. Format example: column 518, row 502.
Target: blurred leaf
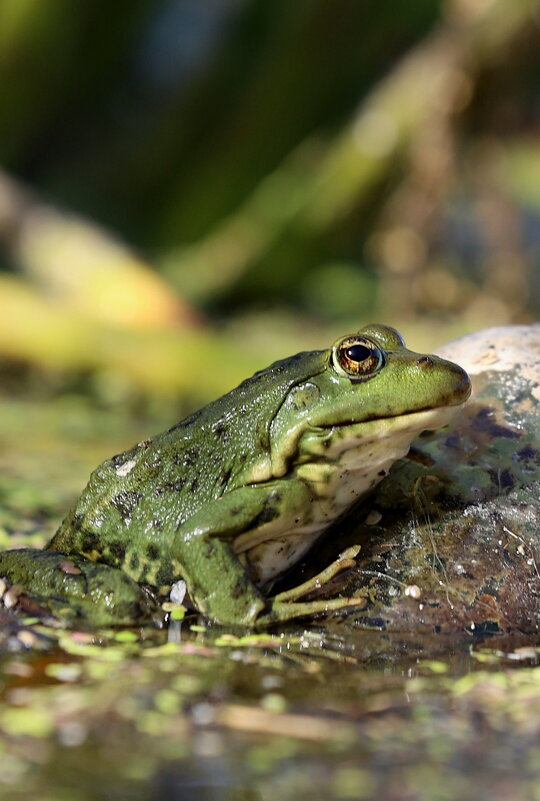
column 82, row 265
column 44, row 332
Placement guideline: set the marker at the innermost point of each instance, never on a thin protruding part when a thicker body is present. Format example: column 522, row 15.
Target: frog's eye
column 356, row 357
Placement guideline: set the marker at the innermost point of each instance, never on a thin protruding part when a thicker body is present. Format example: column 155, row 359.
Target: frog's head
column 367, row 387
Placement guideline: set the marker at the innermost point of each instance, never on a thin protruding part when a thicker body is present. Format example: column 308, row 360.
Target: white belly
column 357, row 460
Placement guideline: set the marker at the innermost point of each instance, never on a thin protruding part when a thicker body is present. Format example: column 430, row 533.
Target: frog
column 231, row 497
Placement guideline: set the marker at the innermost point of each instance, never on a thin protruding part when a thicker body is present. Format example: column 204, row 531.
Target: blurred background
column 190, row 189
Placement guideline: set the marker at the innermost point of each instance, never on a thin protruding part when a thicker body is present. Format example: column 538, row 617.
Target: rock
column 460, row 518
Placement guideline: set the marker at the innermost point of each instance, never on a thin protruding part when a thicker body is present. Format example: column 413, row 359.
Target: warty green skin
column 231, row 496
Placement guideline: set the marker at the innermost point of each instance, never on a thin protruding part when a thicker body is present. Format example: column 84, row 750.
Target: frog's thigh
column 217, row 582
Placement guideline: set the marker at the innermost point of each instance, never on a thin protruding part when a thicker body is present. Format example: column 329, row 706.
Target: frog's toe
column 344, row 561
column 282, row 611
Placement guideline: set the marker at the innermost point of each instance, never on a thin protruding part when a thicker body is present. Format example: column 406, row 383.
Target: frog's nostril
column 425, row 361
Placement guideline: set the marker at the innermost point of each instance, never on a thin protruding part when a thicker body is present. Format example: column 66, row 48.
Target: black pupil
column 358, row 353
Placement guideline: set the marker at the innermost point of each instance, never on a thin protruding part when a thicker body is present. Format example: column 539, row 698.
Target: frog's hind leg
column 77, row 591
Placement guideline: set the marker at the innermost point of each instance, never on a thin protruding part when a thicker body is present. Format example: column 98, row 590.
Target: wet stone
column 462, row 514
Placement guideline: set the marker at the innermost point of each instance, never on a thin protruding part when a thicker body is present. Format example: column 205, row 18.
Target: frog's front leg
column 217, row 581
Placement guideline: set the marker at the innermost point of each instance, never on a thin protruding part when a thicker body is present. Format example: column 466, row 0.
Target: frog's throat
column 346, row 436
column 338, row 475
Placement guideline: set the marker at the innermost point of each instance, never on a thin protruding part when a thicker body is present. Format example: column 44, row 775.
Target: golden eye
column 357, row 357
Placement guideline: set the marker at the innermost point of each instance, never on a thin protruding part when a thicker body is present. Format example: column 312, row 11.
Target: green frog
column 231, row 497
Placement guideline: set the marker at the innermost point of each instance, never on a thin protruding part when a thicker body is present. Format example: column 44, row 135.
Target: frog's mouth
column 422, row 420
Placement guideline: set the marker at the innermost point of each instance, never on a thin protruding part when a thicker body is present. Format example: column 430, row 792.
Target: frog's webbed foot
column 281, row 608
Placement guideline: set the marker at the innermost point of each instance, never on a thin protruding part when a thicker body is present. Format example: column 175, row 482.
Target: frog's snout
column 464, row 387
column 454, row 382
column 456, row 379
column 462, row 382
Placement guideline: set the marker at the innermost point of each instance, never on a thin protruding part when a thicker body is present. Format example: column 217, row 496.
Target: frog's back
column 156, row 486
